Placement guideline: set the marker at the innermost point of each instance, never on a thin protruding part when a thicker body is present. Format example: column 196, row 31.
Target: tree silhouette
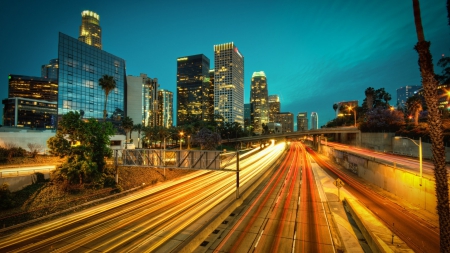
column 429, row 84
column 108, row 84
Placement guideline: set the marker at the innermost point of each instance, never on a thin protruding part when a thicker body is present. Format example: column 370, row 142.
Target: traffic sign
column 338, row 183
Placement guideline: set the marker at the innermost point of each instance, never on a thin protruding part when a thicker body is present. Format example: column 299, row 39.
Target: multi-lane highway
column 286, row 215
column 142, row 222
column 416, row 232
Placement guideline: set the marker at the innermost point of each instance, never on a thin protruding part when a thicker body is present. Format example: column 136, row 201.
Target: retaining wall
column 402, row 183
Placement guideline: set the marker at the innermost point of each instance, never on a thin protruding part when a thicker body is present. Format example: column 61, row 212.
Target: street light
column 354, row 110
column 420, row 153
column 189, row 142
column 181, row 136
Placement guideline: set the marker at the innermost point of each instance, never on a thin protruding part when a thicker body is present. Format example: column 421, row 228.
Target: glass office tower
column 32, row 87
column 259, row 99
column 274, row 107
column 193, row 89
column 80, row 68
column 302, row 121
column 165, row 108
column 229, row 83
column 90, row 30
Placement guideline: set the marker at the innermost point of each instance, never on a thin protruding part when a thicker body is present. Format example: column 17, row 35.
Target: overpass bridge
column 349, row 135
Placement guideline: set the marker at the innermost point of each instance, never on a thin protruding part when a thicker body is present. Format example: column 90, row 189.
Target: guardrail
column 19, row 172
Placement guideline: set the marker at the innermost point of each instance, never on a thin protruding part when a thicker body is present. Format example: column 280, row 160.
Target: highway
column 414, row 231
column 286, row 215
column 142, row 222
column 25, row 171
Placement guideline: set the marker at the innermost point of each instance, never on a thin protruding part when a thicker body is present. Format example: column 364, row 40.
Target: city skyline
column 315, row 54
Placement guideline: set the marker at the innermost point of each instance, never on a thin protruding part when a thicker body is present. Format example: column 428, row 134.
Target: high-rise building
column 302, row 121
column 194, row 90
column 314, row 120
column 29, row 113
column 274, row 107
column 50, row 70
column 32, row 87
column 80, row 68
column 165, row 108
column 403, row 93
column 259, row 98
column 142, row 99
column 247, row 114
column 286, row 119
column 229, row 83
column 90, row 30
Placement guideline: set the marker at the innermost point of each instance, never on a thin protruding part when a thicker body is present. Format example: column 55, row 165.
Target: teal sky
column 314, row 52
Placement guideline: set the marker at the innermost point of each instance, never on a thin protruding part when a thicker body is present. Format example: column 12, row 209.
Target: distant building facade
column 286, row 119
column 90, row 30
column 314, row 121
column 302, row 121
column 50, row 70
column 32, row 87
column 229, row 83
column 274, row 127
column 247, row 114
column 29, row 113
column 405, row 92
column 165, row 108
column 80, row 68
column 195, row 91
column 274, row 107
column 142, row 99
column 259, row 100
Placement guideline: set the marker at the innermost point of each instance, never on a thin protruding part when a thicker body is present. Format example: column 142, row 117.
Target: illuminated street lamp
column 354, row 112
column 420, row 153
column 189, row 142
column 181, row 136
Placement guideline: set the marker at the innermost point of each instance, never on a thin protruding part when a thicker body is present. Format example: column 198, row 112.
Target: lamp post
column 420, row 153
column 350, row 108
column 181, row 136
column 189, row 142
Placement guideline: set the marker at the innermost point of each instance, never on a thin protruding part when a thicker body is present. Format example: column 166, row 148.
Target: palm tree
column 335, row 106
column 429, row 84
column 108, row 84
column 127, row 125
column 370, row 92
column 387, row 97
column 138, row 128
column 414, row 105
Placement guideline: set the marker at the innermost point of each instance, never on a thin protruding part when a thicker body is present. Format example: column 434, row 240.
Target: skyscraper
column 80, row 68
column 165, row 108
column 403, row 93
column 194, row 90
column 229, row 83
column 302, row 121
column 286, row 119
column 90, row 30
column 314, row 121
column 259, row 100
column 50, row 70
column 142, row 99
column 274, row 107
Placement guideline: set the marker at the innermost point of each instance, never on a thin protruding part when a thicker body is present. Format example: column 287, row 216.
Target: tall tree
column 335, row 106
column 414, row 105
column 370, row 93
column 108, row 84
column 429, row 84
column 138, row 128
column 127, row 125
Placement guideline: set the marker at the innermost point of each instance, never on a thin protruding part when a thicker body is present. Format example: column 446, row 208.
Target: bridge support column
column 116, row 165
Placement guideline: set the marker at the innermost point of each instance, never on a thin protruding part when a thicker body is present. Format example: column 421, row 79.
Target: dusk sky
column 314, row 52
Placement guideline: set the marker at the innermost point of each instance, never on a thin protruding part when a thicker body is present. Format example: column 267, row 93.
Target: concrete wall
column 403, row 184
column 377, row 141
column 18, row 183
column 23, row 137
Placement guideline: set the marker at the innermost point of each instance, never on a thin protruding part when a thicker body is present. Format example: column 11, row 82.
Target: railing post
column 116, row 165
column 237, row 174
